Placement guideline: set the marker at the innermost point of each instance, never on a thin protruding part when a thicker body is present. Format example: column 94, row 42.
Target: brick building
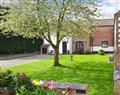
column 117, row 30
column 102, row 37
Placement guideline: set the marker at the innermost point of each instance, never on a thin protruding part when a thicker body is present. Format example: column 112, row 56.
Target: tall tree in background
column 3, row 12
column 48, row 18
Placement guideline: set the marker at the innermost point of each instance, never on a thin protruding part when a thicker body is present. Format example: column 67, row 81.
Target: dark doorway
column 44, row 50
column 79, row 47
column 64, row 47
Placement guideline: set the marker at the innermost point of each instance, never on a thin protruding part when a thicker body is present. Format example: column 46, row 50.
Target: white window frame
column 118, row 18
column 118, row 24
column 105, row 45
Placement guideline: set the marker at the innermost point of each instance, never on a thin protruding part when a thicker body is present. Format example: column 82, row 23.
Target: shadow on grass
column 83, row 66
column 62, row 66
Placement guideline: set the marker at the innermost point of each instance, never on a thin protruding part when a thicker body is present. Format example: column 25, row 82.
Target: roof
column 45, row 46
column 105, row 22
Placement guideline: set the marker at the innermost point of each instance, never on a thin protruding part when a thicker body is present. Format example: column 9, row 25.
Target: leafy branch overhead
column 47, row 18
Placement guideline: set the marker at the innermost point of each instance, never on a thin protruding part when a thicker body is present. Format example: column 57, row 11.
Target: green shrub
column 101, row 52
column 16, row 85
column 7, row 81
column 11, row 45
column 111, row 58
column 23, row 85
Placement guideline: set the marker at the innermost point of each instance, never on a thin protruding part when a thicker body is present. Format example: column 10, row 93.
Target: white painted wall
column 70, row 45
column 66, row 39
column 109, row 49
column 50, row 47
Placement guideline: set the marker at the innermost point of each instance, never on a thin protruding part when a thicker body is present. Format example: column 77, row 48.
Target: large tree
column 47, row 18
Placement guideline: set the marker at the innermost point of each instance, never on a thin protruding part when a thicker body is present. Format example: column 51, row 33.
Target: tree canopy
column 47, row 18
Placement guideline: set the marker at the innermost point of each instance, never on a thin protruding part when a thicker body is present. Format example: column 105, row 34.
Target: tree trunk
column 56, row 57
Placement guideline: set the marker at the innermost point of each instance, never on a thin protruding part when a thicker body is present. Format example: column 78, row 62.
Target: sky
column 109, row 8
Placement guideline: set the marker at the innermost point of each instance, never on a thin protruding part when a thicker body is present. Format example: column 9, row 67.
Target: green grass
column 93, row 70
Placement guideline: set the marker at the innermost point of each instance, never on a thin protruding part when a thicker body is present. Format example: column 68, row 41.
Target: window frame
column 103, row 44
column 78, row 43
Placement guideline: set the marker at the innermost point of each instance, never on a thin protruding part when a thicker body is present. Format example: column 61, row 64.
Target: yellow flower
column 35, row 82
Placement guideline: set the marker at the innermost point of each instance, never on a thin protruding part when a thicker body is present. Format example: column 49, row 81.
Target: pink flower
column 51, row 85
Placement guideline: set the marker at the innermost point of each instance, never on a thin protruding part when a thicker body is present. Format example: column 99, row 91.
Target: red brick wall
column 103, row 34
column 85, row 42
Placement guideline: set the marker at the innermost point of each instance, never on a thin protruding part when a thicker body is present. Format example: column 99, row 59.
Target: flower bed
column 23, row 85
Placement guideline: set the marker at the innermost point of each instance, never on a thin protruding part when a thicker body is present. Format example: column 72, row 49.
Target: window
column 118, row 18
column 118, row 24
column 118, row 45
column 79, row 44
column 118, row 30
column 119, row 35
column 105, row 44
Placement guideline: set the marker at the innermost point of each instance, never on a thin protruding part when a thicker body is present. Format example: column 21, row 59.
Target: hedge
column 11, row 45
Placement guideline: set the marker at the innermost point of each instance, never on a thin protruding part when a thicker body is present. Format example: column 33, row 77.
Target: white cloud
column 108, row 11
column 109, row 8
column 111, row 1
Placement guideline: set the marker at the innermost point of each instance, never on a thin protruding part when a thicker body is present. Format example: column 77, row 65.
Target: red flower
column 21, row 74
column 69, row 91
column 46, row 87
column 50, row 85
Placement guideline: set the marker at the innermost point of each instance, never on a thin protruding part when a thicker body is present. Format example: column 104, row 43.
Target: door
column 64, row 47
column 80, row 47
column 44, row 50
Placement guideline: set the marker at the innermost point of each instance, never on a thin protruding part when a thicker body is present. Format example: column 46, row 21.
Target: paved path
column 18, row 60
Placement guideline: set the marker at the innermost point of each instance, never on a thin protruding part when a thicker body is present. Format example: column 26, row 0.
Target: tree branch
column 51, row 43
column 56, row 2
column 48, row 30
column 60, row 19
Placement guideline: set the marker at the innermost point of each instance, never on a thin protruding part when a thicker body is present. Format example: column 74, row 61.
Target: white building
column 64, row 48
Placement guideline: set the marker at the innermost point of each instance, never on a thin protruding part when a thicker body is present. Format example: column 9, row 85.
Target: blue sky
column 109, row 8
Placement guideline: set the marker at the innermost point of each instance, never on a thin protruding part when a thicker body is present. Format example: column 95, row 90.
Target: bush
column 101, row 52
column 7, row 82
column 11, row 45
column 14, row 85
column 23, row 85
column 111, row 58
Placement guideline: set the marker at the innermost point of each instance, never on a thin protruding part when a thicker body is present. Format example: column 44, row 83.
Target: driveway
column 13, row 60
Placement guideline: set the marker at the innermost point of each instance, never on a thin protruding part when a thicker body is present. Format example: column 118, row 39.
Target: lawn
column 93, row 70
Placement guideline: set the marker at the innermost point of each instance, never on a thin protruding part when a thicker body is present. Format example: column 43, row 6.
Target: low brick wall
column 71, row 88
